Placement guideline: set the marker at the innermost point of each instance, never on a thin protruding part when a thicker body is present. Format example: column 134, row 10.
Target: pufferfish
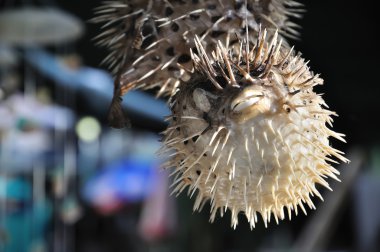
column 249, row 134
column 149, row 40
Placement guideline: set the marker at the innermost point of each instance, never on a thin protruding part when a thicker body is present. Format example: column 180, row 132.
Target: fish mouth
column 246, row 100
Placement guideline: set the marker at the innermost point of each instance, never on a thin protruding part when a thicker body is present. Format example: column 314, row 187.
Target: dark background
column 340, row 40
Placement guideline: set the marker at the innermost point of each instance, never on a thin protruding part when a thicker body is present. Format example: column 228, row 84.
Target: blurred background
column 69, row 183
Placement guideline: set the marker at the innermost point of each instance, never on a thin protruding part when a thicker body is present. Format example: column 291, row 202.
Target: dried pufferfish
column 149, row 40
column 248, row 132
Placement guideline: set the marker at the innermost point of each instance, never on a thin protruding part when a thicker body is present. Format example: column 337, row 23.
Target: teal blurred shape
column 14, row 189
column 23, row 227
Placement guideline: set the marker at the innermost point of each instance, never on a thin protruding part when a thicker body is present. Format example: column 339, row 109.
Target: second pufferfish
column 149, row 40
column 249, row 134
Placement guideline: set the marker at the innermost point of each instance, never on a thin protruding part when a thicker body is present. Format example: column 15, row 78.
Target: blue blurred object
column 96, row 82
column 20, row 110
column 128, row 180
column 25, row 131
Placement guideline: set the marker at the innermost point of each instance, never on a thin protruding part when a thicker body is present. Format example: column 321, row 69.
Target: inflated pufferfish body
column 149, row 41
column 248, row 132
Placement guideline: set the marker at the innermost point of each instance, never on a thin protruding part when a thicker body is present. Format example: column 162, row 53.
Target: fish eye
column 201, row 100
